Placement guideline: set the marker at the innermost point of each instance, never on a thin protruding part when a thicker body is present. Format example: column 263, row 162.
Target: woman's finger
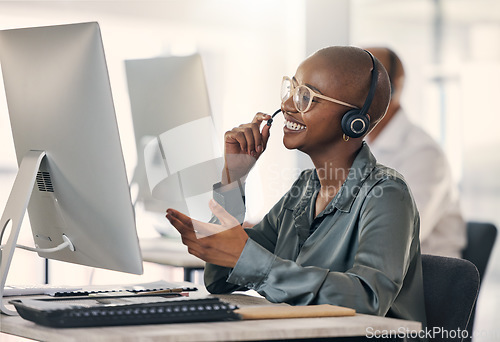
column 224, row 217
column 259, row 117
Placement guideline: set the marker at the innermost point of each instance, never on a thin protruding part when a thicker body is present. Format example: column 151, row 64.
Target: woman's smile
column 294, row 126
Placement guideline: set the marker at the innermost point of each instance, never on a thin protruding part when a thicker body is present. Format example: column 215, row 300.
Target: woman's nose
column 288, row 105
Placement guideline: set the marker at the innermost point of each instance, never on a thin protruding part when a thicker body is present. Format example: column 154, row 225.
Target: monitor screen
column 59, row 101
column 178, row 155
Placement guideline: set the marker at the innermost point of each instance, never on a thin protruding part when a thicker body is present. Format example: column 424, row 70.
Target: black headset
column 392, row 68
column 355, row 122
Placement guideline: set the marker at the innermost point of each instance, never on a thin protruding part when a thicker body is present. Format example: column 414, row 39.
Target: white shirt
column 410, row 150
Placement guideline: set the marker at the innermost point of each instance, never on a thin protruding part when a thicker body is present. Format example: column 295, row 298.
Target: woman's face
column 319, row 127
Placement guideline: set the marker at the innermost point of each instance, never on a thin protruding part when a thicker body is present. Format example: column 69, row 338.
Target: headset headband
column 373, row 86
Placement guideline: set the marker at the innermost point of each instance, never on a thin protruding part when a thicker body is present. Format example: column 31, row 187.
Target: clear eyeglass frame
column 301, row 93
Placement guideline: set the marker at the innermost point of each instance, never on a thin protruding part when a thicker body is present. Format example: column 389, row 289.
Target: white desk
column 170, row 252
column 283, row 329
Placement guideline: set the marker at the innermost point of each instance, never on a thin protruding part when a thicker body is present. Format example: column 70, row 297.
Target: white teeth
column 294, row 126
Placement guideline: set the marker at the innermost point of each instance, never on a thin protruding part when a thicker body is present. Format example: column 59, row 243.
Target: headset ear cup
column 354, row 124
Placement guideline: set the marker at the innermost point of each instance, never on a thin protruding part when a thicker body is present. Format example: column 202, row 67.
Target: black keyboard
column 84, row 293
column 91, row 312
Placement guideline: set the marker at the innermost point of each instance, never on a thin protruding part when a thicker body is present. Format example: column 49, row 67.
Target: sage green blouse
column 361, row 252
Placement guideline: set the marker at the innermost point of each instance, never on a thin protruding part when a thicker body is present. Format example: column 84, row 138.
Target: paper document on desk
column 273, row 312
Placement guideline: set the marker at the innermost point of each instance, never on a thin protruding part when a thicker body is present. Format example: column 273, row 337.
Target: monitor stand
column 14, row 213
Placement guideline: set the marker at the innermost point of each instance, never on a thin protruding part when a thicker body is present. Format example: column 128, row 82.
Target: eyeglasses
column 303, row 95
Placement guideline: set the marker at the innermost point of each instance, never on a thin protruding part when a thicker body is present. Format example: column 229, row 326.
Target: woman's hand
column 243, row 145
column 217, row 244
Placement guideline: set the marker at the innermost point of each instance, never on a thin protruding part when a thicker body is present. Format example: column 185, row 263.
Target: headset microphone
column 270, row 121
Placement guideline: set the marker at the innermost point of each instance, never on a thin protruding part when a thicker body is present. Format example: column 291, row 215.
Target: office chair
column 480, row 241
column 451, row 286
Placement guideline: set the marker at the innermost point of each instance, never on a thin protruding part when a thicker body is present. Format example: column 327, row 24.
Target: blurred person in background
column 400, row 144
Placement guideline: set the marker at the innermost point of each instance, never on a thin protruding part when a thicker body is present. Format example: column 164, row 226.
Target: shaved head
column 350, row 78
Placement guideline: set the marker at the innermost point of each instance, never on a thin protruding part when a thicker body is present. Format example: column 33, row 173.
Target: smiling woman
column 320, row 243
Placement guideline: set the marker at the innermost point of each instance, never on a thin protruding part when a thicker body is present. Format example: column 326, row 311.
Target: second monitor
column 178, row 156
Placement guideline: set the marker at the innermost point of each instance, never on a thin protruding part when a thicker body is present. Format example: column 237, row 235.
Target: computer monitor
column 178, row 156
column 71, row 166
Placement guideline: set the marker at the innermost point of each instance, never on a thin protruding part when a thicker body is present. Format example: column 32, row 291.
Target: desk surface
column 287, row 329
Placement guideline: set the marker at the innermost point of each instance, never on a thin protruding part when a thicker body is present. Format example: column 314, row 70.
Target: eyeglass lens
column 286, row 89
column 301, row 94
column 302, row 98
